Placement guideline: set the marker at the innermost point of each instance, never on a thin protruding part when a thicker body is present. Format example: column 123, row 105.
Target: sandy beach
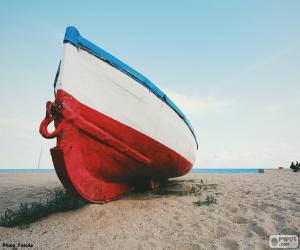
column 249, row 208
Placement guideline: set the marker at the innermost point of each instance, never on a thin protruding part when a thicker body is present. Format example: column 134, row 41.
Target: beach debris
column 210, row 199
column 44, row 232
column 183, row 187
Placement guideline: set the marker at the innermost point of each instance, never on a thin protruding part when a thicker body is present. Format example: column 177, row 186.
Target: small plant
column 59, row 201
column 208, row 200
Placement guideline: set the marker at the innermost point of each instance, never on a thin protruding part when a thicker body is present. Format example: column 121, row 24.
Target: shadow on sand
column 173, row 187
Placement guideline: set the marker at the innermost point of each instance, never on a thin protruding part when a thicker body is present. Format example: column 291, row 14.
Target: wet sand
column 249, row 208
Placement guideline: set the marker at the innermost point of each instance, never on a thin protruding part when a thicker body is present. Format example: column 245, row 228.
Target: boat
column 115, row 129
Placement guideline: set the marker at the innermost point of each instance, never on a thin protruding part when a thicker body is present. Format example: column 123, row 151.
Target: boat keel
column 91, row 189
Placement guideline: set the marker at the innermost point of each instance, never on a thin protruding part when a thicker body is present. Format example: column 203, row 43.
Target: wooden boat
column 115, row 129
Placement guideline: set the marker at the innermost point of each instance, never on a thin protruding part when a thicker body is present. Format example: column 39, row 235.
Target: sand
column 249, row 208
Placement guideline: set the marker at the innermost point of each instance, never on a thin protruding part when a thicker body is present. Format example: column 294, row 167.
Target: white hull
column 106, row 89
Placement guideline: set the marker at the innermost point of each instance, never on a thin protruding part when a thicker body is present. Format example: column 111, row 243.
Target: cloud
column 14, row 122
column 18, row 128
column 198, row 105
column 253, row 68
column 265, row 156
column 21, row 144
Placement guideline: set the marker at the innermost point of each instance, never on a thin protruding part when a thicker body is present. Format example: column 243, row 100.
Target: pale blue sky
column 231, row 66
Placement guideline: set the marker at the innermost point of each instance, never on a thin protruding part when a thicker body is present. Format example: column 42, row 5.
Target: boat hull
column 108, row 90
column 99, row 159
column 115, row 129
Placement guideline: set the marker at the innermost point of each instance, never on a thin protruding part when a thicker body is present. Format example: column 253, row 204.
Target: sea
column 225, row 170
column 194, row 170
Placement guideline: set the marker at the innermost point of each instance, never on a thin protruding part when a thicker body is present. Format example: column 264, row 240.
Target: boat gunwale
column 73, row 36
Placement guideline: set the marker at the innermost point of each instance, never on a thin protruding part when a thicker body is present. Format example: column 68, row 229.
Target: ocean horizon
column 194, row 170
column 225, row 170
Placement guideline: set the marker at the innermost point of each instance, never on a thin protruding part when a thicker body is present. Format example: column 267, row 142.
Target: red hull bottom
column 99, row 159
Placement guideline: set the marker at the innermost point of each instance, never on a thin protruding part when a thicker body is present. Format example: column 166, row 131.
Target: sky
column 231, row 66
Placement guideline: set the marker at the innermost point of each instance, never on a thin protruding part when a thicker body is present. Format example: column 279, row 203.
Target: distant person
column 296, row 167
column 280, row 168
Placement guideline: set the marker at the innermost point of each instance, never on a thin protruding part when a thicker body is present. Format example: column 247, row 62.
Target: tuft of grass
column 208, row 200
column 59, row 201
column 23, row 226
